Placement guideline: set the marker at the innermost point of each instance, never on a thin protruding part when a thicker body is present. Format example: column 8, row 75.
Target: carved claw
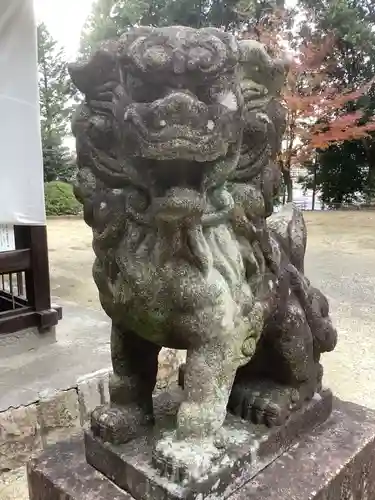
column 118, row 424
column 185, row 460
column 264, row 402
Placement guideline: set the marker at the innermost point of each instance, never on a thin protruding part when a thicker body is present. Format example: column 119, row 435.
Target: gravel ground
column 340, row 259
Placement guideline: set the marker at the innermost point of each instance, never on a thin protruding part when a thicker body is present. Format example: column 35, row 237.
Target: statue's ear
column 100, row 68
column 259, row 66
column 229, row 40
column 130, row 36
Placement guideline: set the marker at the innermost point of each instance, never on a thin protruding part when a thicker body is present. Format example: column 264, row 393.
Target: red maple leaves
column 320, row 110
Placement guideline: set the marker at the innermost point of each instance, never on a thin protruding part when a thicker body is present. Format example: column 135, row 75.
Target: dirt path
column 340, row 259
column 342, row 239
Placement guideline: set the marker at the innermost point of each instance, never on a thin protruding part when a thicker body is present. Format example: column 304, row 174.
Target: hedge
column 60, row 199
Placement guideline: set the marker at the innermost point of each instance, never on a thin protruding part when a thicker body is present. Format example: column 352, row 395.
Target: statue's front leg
column 135, row 364
column 209, row 374
column 193, row 449
column 199, row 440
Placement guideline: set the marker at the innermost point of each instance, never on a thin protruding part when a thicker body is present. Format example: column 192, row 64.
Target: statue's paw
column 185, row 460
column 118, row 424
column 264, row 402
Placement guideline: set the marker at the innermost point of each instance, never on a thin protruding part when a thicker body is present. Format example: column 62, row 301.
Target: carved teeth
column 263, row 117
column 229, row 100
column 163, row 123
column 210, row 125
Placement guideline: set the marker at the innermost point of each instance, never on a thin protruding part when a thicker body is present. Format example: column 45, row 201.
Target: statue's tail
column 289, row 227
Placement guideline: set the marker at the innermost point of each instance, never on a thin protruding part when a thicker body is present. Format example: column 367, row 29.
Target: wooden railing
column 25, row 296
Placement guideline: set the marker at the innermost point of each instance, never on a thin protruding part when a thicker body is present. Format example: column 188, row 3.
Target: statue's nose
column 183, row 106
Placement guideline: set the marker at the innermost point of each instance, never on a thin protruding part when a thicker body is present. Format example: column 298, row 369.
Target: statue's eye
column 204, row 95
column 143, row 92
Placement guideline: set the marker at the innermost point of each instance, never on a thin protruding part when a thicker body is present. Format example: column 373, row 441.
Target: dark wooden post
column 30, row 257
column 38, row 288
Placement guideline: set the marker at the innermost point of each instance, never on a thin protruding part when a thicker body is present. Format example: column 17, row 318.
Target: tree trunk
column 288, row 184
column 370, row 181
column 314, row 187
column 313, row 196
column 338, row 201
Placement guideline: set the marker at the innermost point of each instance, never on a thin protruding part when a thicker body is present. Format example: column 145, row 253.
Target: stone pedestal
column 334, row 461
column 136, row 468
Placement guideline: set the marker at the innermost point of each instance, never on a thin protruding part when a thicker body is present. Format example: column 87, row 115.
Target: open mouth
column 182, row 127
column 176, row 172
column 199, row 175
column 178, row 141
column 185, row 150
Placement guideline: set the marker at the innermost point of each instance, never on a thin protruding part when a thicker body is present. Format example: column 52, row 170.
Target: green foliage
column 110, row 18
column 55, row 96
column 346, row 172
column 60, row 199
column 352, row 23
column 100, row 25
column 339, row 177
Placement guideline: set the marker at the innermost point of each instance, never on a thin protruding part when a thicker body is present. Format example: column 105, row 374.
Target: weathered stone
column 62, row 473
column 19, row 436
column 137, row 469
column 177, row 144
column 104, row 388
column 92, row 390
column 58, row 413
column 13, row 485
column 169, row 362
column 335, row 461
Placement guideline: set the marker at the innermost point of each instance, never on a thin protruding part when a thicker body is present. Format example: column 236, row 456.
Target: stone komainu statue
column 177, row 141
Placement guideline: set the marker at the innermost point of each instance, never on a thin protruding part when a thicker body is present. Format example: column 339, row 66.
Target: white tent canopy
column 21, row 163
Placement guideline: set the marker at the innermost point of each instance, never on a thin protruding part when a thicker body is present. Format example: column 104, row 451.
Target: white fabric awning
column 21, row 160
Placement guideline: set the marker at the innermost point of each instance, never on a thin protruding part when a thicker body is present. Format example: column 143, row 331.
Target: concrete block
column 147, row 474
column 62, row 473
column 92, row 392
column 335, row 461
column 58, row 414
column 13, row 485
column 104, row 388
column 20, row 436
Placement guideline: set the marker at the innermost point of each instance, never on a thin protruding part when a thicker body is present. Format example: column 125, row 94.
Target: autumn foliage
column 320, row 111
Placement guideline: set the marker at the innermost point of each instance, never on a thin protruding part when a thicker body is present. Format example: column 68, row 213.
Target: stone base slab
column 62, row 473
column 335, row 461
column 132, row 466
